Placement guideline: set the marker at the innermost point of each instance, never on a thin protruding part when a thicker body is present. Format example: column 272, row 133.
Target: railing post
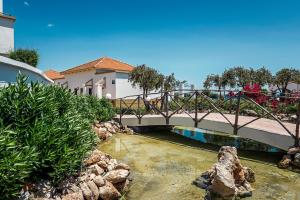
column 297, row 126
column 230, row 106
column 237, row 113
column 196, row 109
column 167, row 107
column 139, row 106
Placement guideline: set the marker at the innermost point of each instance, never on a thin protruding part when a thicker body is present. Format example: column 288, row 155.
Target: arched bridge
column 239, row 112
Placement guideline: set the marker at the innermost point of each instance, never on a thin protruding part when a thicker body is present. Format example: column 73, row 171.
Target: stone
column 293, row 151
column 99, row 181
column 96, row 169
column 87, row 193
column 109, row 192
column 296, row 161
column 249, row 174
column 73, row 196
column 227, row 178
column 116, row 176
column 94, row 189
column 94, row 158
column 122, row 187
column 285, row 162
column 122, row 166
column 202, row 182
column 223, row 182
column 112, row 163
column 73, row 189
column 102, row 164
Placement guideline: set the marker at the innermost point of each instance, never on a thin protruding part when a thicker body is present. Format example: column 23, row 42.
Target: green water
column 164, row 165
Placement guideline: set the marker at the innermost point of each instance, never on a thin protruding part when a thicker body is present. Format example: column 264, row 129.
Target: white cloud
column 50, row 25
column 26, row 3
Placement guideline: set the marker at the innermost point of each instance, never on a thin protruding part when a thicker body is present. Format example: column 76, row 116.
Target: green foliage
column 31, row 57
column 284, row 76
column 145, row 78
column 45, row 132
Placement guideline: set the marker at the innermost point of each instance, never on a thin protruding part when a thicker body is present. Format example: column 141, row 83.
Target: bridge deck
column 263, row 130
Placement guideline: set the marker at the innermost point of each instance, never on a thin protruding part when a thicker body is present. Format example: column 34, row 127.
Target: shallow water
column 163, row 168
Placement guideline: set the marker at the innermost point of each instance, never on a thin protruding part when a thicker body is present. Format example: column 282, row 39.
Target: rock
column 109, row 192
column 202, row 182
column 296, row 161
column 94, row 158
column 102, row 164
column 122, row 186
column 102, row 133
column 112, row 163
column 73, row 196
column 223, row 182
column 293, row 151
column 227, row 178
column 87, row 193
column 250, row 112
column 99, row 181
column 249, row 174
column 94, row 189
column 96, row 169
column 122, row 166
column 285, row 162
column 116, row 176
column 73, row 189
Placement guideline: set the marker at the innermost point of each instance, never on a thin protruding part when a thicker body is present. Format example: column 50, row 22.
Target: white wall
column 6, row 35
column 124, row 88
column 78, row 79
column 8, row 74
column 1, row 6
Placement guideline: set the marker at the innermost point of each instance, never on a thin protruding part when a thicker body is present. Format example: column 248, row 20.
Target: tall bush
column 44, row 133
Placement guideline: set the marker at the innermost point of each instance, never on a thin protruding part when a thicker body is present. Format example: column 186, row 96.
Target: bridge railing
column 225, row 102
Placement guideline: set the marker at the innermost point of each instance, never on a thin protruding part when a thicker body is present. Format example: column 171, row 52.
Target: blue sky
column 191, row 38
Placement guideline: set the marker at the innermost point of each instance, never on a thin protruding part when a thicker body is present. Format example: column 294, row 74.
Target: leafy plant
column 45, row 132
column 31, row 57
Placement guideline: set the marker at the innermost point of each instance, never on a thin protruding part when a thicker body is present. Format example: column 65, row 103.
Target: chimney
column 1, row 6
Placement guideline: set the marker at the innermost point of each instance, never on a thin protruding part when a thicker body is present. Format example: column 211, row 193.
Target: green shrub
column 28, row 56
column 45, row 132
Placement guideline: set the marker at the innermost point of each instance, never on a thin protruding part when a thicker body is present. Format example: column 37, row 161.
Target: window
column 113, row 82
column 75, row 91
column 81, row 90
column 90, row 91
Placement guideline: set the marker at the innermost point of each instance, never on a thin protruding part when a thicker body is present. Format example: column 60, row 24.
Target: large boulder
column 109, row 192
column 116, row 176
column 227, row 178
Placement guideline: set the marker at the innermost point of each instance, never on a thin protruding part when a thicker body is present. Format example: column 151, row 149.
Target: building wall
column 124, row 87
column 8, row 74
column 78, row 79
column 6, row 35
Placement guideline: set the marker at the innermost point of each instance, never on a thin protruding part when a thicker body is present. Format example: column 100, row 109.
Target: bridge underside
column 263, row 130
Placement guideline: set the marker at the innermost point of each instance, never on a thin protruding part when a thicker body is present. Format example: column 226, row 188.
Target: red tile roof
column 54, row 75
column 101, row 63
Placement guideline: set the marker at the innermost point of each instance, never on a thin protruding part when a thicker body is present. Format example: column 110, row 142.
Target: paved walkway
column 263, row 130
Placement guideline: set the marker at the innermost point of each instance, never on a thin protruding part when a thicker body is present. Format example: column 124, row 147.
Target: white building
column 6, row 31
column 10, row 68
column 99, row 77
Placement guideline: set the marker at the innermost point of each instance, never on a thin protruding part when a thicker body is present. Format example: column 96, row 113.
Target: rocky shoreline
column 291, row 160
column 101, row 177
